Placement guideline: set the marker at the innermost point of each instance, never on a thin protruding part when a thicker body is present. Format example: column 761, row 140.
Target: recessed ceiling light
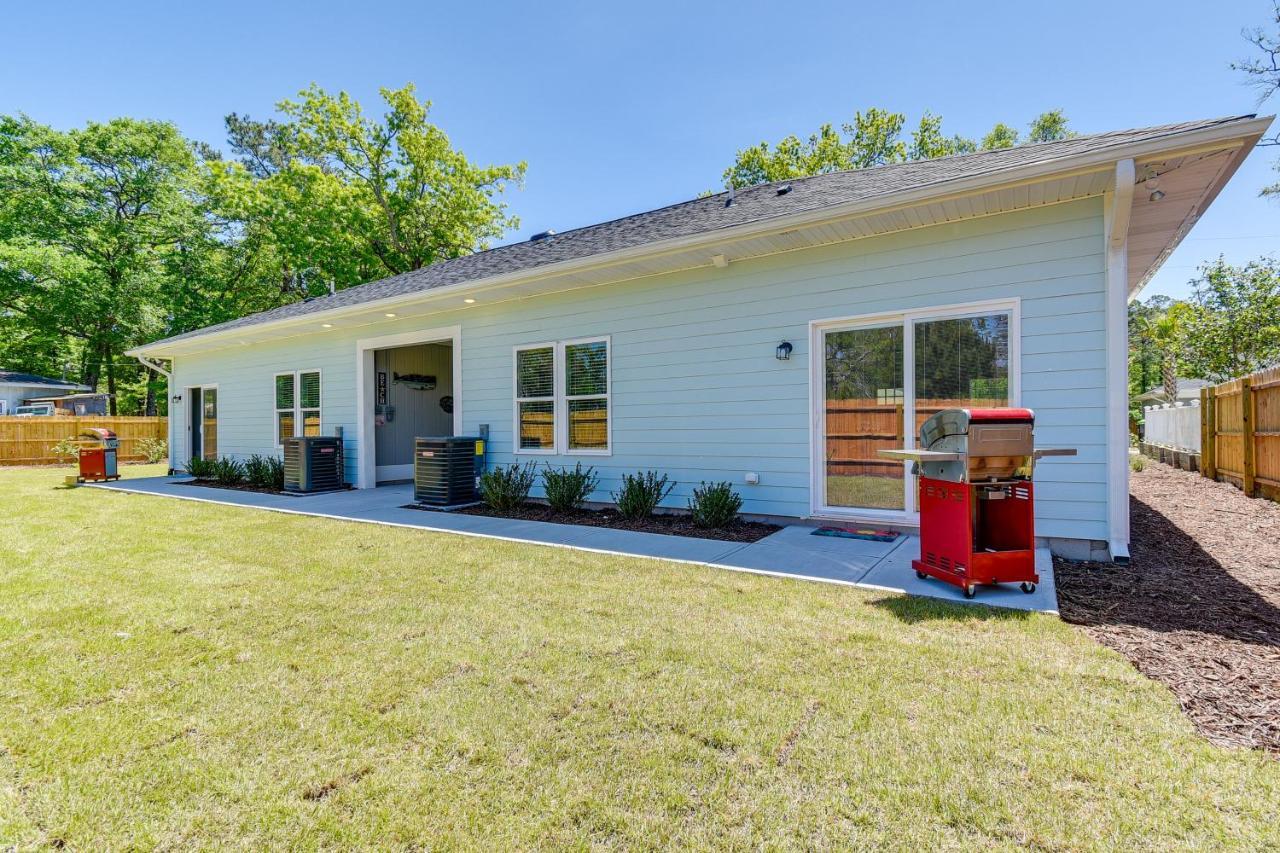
column 469, row 301
column 389, row 314
column 327, row 325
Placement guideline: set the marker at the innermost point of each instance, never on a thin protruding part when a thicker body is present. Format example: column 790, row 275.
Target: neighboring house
column 16, row 388
column 775, row 337
column 1188, row 390
column 76, row 404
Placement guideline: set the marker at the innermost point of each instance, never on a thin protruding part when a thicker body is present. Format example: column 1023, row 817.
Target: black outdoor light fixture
column 784, row 351
column 177, row 398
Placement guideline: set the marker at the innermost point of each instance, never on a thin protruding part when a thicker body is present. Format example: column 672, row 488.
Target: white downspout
column 1119, row 204
column 168, row 385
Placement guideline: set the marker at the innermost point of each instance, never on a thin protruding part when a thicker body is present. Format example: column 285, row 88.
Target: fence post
column 1246, row 419
column 1208, row 433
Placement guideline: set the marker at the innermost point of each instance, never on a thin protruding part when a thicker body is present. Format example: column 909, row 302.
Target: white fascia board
column 1241, row 132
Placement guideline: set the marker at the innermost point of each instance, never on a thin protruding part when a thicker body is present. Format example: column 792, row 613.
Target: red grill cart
column 977, row 503
column 98, row 455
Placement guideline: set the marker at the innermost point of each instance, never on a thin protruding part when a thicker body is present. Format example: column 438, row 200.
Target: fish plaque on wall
column 416, row 381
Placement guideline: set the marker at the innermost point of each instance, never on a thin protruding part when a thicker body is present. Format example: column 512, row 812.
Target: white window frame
column 297, row 403
column 561, row 399
column 907, row 319
column 554, row 398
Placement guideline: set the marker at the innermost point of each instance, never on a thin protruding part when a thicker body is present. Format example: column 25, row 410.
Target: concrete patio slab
column 895, row 572
column 793, row 552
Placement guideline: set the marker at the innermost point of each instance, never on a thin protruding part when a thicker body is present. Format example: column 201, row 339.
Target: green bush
column 67, row 450
column 506, row 487
column 1137, row 462
column 201, row 469
column 568, row 489
column 264, row 472
column 154, row 449
column 714, row 505
column 641, row 493
column 228, row 472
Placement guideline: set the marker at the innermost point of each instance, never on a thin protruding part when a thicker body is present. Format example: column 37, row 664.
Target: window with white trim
column 297, row 404
column 536, row 399
column 562, row 397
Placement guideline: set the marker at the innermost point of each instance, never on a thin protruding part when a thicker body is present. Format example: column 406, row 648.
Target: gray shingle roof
column 12, row 377
column 711, row 213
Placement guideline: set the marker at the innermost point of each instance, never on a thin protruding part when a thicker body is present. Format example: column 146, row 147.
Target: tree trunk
column 92, row 370
column 109, row 357
column 150, row 409
column 1169, row 376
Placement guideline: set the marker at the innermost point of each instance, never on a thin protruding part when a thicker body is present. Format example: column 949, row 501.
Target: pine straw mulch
column 1198, row 608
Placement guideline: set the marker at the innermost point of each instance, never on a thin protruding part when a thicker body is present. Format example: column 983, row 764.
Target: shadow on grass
column 912, row 609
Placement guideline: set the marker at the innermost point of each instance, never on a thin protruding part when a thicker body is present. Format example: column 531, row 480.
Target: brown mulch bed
column 671, row 525
column 245, row 487
column 1198, row 608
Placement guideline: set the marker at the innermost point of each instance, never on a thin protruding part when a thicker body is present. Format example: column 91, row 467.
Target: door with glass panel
column 202, row 428
column 882, row 381
column 863, row 371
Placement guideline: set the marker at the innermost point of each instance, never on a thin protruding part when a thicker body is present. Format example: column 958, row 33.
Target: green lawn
column 866, row 492
column 186, row 675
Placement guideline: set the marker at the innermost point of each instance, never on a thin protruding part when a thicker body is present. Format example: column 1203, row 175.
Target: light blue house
column 774, row 338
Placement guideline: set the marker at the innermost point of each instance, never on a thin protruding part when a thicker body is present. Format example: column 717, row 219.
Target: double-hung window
column 562, row 397
column 297, row 404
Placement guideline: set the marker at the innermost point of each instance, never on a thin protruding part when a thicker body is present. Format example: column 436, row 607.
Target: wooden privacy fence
column 27, row 441
column 857, row 428
column 1240, row 432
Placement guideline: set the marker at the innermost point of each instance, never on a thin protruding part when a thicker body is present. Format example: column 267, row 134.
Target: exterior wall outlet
column 752, row 478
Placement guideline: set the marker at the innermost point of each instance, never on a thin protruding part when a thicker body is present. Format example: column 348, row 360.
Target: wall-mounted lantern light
column 177, row 398
column 784, row 351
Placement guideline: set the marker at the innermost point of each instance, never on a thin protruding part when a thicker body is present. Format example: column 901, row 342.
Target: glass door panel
column 209, row 422
column 961, row 363
column 863, row 413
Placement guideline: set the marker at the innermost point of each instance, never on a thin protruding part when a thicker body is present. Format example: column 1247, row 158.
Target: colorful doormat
column 858, row 533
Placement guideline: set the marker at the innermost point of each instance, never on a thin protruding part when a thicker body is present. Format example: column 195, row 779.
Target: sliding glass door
column 863, row 412
column 881, row 379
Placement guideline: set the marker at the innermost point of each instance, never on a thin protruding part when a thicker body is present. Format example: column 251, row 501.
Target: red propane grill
column 977, row 519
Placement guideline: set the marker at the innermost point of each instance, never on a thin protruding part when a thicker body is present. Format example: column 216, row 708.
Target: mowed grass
column 862, row 491
column 178, row 674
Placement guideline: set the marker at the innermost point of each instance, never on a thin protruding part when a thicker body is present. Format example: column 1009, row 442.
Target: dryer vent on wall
column 312, row 463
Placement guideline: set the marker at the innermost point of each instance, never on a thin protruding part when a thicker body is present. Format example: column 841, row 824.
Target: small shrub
column 568, row 489
column 264, row 472
column 67, row 450
column 1137, row 462
column 506, row 487
column 228, row 472
column 641, row 493
column 201, row 469
column 154, row 449
column 714, row 505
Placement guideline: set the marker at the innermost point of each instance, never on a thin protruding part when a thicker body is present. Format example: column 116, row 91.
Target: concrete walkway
column 792, row 552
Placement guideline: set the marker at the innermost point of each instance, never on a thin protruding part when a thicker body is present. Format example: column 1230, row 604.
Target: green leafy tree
column 874, row 138
column 1145, row 354
column 1049, row 127
column 1000, row 136
column 1233, row 327
column 351, row 198
column 87, row 217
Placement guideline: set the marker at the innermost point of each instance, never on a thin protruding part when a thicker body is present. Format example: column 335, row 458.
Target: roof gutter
column 1186, row 142
column 150, row 363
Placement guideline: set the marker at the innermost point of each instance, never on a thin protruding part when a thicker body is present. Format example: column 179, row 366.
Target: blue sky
column 622, row 109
